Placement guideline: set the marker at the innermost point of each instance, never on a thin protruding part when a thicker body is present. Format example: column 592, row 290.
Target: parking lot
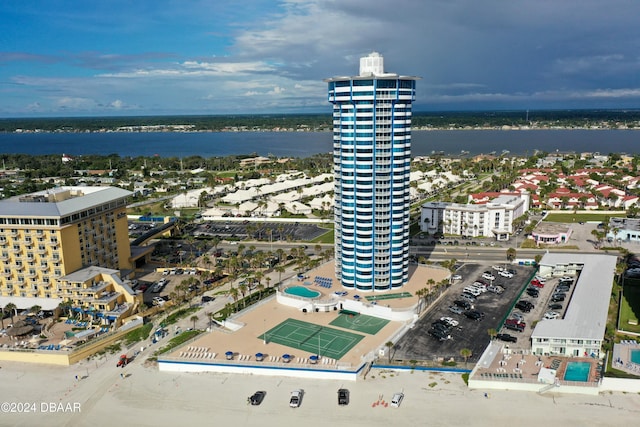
column 418, row 344
column 259, row 230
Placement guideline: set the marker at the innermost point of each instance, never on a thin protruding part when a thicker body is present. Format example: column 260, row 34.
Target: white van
column 396, row 400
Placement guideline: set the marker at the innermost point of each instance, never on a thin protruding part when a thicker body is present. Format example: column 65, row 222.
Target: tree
column 11, row 307
column 466, row 353
column 194, row 319
column 492, row 333
column 511, row 254
column 389, row 345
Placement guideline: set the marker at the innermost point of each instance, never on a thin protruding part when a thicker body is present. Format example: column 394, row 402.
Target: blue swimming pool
column 301, row 291
column 577, row 371
column 635, row 356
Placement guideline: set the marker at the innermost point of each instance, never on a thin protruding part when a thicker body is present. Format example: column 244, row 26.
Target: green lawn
column 327, row 237
column 582, row 217
column 630, row 309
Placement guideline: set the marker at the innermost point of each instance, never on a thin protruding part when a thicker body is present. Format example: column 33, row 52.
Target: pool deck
column 244, row 342
column 621, row 358
column 520, row 367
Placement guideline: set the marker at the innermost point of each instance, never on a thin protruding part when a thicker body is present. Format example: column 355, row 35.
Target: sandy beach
column 146, row 397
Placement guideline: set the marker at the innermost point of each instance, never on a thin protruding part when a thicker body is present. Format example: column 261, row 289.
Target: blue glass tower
column 372, row 157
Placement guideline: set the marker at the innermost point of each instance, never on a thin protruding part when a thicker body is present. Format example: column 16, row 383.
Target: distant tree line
column 322, row 122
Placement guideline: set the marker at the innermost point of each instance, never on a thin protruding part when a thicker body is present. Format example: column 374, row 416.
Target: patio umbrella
column 19, row 328
column 313, row 358
column 286, row 357
column 229, row 354
column 259, row 356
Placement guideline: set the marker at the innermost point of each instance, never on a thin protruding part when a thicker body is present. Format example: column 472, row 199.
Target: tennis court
column 314, row 339
column 388, row 296
column 359, row 322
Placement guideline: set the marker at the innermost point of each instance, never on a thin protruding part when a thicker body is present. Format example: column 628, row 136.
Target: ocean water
column 305, row 144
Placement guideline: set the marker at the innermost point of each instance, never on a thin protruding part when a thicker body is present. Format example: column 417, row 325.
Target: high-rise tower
column 372, row 157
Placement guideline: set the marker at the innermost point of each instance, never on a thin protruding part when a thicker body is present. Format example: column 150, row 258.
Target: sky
column 230, row 57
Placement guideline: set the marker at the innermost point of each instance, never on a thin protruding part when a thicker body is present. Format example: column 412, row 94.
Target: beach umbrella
column 229, row 354
column 313, row 358
column 286, row 357
column 259, row 356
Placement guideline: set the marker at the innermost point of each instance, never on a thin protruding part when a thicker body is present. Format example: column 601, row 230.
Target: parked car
column 439, row 334
column 557, row 298
column 537, row 283
column 505, row 273
column 473, row 291
column 562, row 288
column 456, row 309
column 497, row 268
column 517, row 316
column 488, row 276
column 456, row 277
column 257, row 397
column 496, row 289
column 525, row 306
column 507, row 338
column 343, row 397
column 295, row 400
column 463, row 304
column 450, row 321
column 533, row 292
column 518, row 327
column 474, row 315
column 551, row 315
column 396, row 400
column 467, row 296
column 554, row 306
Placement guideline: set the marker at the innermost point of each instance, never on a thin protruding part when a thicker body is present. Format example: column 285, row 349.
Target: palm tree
column 492, row 333
column 35, row 309
column 466, row 353
column 2, row 317
column 194, row 319
column 389, row 345
column 234, row 294
column 11, row 307
column 280, row 269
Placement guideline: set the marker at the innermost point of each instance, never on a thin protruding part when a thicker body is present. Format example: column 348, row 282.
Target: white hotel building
column 492, row 219
column 372, row 157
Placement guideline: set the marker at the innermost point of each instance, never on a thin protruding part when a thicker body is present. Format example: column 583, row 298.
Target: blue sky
column 142, row 57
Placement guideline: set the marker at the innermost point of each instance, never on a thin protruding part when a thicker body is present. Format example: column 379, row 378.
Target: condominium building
column 372, row 156
column 492, row 219
column 49, row 234
column 581, row 331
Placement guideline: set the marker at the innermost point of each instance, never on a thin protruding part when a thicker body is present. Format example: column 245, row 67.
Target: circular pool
column 301, row 291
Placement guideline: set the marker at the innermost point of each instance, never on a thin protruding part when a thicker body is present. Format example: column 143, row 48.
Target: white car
column 473, row 291
column 396, row 400
column 488, row 276
column 450, row 321
column 551, row 315
column 296, row 398
column 456, row 277
column 497, row 268
column 158, row 301
column 505, row 273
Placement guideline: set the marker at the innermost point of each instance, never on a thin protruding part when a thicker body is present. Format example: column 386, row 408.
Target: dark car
column 555, row 306
column 441, row 327
column 562, row 288
column 507, row 338
column 533, row 292
column 463, row 304
column 525, row 306
column 206, row 298
column 257, row 397
column 518, row 327
column 474, row 315
column 440, row 335
column 343, row 397
column 557, row 298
